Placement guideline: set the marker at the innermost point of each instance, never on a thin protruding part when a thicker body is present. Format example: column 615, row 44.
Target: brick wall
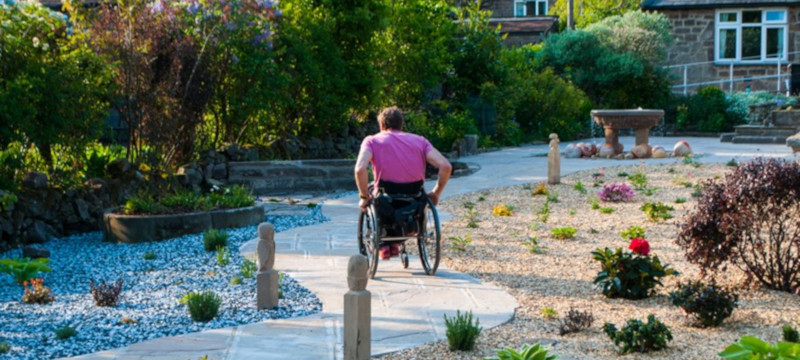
column 693, row 41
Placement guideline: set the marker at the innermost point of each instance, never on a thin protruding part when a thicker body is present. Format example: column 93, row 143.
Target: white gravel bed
column 149, row 297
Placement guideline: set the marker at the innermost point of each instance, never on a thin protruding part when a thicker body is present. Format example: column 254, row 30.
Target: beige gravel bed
column 562, row 277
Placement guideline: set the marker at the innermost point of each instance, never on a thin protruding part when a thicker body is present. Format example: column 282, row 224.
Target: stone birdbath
column 641, row 120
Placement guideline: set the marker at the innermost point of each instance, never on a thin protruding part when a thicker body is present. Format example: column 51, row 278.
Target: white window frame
column 525, row 7
column 764, row 25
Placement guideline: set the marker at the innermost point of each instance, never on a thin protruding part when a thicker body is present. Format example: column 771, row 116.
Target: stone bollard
column 554, row 161
column 357, row 310
column 267, row 278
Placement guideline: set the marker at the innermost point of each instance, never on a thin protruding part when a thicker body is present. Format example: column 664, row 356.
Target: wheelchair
column 414, row 217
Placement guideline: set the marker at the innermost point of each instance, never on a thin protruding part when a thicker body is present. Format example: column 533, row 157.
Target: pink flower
column 640, row 246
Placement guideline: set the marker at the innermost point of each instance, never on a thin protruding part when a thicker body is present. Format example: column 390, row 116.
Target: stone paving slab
column 407, row 305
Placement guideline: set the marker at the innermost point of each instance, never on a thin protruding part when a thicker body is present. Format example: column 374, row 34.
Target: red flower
column 640, row 246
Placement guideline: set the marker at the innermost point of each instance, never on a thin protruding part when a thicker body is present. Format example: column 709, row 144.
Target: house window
column 530, row 8
column 757, row 35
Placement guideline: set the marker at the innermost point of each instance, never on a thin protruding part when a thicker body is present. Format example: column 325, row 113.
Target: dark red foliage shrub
column 751, row 219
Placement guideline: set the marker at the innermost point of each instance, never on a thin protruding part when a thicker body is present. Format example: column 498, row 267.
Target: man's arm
column 362, row 179
column 435, row 158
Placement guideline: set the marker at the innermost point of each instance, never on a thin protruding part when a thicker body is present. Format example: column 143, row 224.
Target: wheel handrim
column 429, row 241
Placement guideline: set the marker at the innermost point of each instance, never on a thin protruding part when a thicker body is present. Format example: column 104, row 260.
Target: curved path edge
column 407, row 305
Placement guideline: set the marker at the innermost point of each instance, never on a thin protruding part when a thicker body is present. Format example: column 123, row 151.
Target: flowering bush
column 54, row 88
column 639, row 246
column 36, row 293
column 502, row 210
column 630, row 275
column 616, row 193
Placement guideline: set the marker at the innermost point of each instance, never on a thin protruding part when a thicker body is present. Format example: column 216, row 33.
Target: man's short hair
column 391, row 118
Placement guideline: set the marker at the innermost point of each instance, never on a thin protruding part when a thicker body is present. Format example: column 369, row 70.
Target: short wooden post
column 554, row 161
column 267, row 278
column 357, row 311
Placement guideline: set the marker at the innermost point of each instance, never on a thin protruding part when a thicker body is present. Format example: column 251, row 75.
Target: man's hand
column 434, row 197
column 363, row 203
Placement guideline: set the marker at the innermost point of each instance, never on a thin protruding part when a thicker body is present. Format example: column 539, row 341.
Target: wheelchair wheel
column 368, row 239
column 429, row 239
column 404, row 257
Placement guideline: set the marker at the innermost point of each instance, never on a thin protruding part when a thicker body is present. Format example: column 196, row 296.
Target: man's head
column 391, row 118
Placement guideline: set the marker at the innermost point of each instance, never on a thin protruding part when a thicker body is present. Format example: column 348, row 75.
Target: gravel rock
column 150, row 292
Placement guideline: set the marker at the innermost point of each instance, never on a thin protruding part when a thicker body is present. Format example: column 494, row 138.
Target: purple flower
column 616, row 193
column 235, row 59
column 157, row 6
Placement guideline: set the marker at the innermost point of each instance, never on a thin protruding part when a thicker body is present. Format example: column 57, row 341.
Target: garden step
column 759, row 130
column 759, row 139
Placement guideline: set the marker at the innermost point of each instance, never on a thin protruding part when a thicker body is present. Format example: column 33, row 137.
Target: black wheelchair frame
column 372, row 235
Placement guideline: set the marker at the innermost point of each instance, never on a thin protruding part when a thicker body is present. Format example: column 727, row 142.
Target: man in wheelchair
column 398, row 163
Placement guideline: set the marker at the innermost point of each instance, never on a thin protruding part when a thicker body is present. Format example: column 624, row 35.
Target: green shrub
column 633, row 232
column 236, row 280
column 709, row 304
column 65, row 332
column 790, row 334
column 472, row 218
column 544, row 212
column 461, row 332
column 552, row 197
column 532, row 243
column 460, row 243
column 184, row 201
column 564, row 233
column 656, row 211
column 638, row 180
column 579, row 188
column 223, row 256
column 233, row 197
column 628, row 275
column 248, row 269
column 149, row 255
column 680, row 200
column 4, row 347
column 750, row 347
column 637, row 336
column 214, row 238
column 709, row 110
column 142, row 204
column 528, row 352
column 606, row 210
column 441, row 125
column 549, row 313
column 203, row 306
column 24, row 269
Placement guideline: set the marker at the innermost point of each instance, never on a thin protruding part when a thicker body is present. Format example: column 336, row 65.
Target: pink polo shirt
column 397, row 156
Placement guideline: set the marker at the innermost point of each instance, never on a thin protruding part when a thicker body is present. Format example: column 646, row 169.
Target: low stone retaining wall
column 281, row 177
column 141, row 228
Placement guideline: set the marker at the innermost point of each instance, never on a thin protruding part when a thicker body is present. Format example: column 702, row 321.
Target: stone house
column 524, row 21
column 758, row 40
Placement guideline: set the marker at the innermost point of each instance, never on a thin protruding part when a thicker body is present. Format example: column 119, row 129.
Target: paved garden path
column 407, row 305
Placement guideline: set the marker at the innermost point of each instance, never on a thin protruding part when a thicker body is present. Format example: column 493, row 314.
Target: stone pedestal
column 267, row 289
column 613, row 120
column 554, row 161
column 357, row 311
column 267, row 279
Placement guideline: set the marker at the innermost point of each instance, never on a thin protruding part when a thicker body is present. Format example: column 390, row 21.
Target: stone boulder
column 35, row 180
column 641, row 151
column 37, row 232
column 118, row 168
column 35, row 253
column 681, row 148
column 605, row 152
column 794, row 142
column 572, row 152
column 659, row 152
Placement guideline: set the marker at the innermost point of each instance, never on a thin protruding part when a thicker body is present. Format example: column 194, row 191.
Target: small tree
column 751, row 219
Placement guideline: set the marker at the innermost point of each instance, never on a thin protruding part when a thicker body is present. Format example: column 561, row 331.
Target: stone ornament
column 357, row 311
column 682, row 148
column 659, row 152
column 357, row 273
column 554, row 161
column 266, row 247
